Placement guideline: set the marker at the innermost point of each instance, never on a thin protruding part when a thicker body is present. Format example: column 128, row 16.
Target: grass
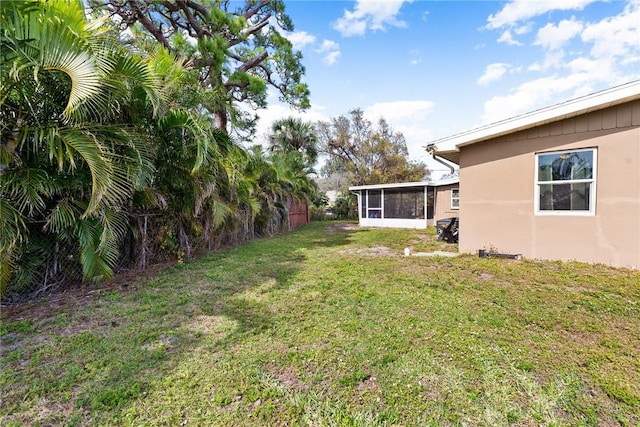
column 332, row 326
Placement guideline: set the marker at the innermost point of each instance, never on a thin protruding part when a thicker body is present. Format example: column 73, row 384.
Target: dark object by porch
column 448, row 229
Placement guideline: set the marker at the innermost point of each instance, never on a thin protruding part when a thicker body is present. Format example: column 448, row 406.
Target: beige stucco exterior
column 442, row 208
column 497, row 186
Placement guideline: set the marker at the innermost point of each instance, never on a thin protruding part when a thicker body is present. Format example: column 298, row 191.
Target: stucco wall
column 497, row 181
column 443, row 203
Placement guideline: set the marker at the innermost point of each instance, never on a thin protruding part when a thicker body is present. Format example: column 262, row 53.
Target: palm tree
column 293, row 135
column 67, row 171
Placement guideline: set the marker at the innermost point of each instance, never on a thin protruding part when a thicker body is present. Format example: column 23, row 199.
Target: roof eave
column 452, row 156
column 575, row 107
column 406, row 184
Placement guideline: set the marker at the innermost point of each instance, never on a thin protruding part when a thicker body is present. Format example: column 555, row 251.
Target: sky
column 434, row 69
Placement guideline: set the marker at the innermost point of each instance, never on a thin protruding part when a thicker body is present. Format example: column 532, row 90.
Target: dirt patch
column 67, row 299
column 486, row 276
column 342, row 227
column 369, row 385
column 288, row 377
column 374, row 251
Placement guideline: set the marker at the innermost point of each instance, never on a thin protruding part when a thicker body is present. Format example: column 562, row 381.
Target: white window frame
column 592, row 188
column 455, row 198
column 381, row 208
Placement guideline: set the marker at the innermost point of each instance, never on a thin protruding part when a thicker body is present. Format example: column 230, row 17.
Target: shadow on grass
column 270, row 265
column 106, row 349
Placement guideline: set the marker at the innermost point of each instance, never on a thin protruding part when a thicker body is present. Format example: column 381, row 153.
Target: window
column 374, row 203
column 565, row 182
column 406, row 203
column 455, row 198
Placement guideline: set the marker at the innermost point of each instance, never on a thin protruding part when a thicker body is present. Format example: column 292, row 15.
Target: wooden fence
column 298, row 213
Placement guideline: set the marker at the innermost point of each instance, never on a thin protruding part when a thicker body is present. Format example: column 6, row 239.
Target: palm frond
column 220, row 211
column 13, row 233
column 63, row 216
column 114, row 228
column 95, row 265
column 27, row 188
column 111, row 181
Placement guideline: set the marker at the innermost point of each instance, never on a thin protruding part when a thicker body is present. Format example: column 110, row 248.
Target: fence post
column 144, row 243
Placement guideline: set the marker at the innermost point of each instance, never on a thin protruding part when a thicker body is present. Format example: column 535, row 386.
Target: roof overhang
column 406, row 184
column 451, row 155
column 449, row 146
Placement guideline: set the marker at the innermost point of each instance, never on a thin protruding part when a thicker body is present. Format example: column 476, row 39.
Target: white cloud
column 507, row 35
column 597, row 71
column 408, row 117
column 616, row 36
column 507, row 38
column 492, row 73
column 555, row 36
column 580, row 57
column 277, row 110
column 331, row 57
column 397, row 111
column 416, row 58
column 300, row 39
column 534, row 94
column 370, row 15
column 522, row 29
column 612, row 43
column 328, row 45
column 553, row 59
column 521, row 10
column 330, row 50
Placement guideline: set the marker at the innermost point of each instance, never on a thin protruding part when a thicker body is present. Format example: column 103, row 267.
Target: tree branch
column 149, row 26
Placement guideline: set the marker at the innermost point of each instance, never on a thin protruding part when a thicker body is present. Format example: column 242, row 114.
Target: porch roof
column 438, row 183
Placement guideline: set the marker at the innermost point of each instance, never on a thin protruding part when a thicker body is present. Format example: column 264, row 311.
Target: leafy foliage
column 368, row 154
column 293, row 135
column 65, row 164
column 236, row 53
column 109, row 147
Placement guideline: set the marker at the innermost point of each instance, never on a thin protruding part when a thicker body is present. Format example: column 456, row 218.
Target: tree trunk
column 221, row 119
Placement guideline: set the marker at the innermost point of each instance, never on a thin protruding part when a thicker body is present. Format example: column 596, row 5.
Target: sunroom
column 407, row 204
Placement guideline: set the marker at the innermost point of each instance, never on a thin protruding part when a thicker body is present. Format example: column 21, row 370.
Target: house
column 407, row 204
column 560, row 183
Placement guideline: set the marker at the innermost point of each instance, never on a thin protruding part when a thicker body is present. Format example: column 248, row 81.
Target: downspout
column 431, row 149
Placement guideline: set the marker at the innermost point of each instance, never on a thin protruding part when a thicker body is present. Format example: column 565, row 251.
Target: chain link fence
column 47, row 264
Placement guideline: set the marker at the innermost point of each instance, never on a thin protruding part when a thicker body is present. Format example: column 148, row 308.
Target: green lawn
column 332, row 326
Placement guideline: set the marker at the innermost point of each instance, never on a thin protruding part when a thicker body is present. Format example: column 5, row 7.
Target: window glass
column 455, row 198
column 565, row 166
column 407, row 203
column 430, row 201
column 375, row 199
column 565, row 181
column 565, row 197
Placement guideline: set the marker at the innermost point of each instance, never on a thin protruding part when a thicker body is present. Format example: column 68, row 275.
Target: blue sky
column 437, row 68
